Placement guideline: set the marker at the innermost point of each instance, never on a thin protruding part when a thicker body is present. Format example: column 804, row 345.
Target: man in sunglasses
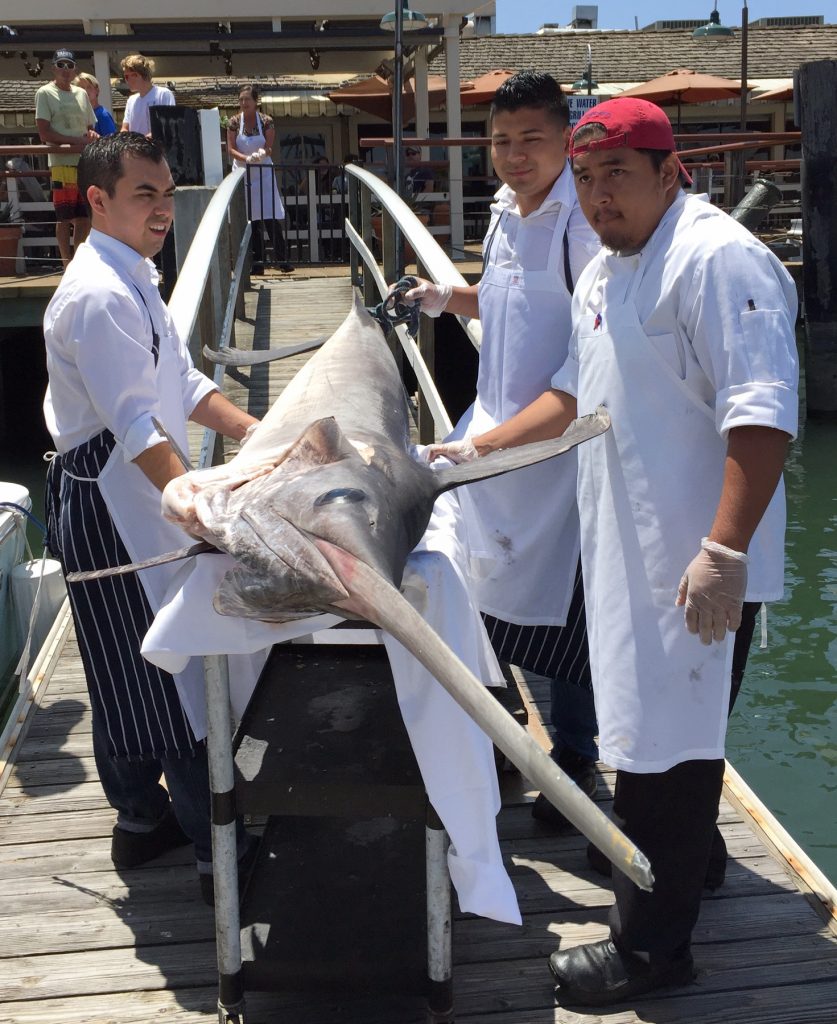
column 65, row 118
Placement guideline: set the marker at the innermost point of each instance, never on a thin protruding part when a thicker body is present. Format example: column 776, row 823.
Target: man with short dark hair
column 116, row 368
column 65, row 117
column 683, row 327
column 538, row 243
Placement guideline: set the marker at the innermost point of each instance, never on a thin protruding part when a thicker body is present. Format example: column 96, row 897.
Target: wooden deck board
column 81, row 943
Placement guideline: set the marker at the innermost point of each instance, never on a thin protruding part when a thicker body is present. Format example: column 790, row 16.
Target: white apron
column 265, row 201
column 529, row 518
column 134, row 505
column 648, row 490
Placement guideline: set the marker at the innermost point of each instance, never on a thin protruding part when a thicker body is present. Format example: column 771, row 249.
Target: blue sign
column 579, row 105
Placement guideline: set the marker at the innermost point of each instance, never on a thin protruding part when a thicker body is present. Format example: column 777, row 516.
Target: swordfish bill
column 323, row 505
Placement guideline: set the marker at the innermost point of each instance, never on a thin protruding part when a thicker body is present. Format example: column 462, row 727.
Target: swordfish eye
column 341, row 496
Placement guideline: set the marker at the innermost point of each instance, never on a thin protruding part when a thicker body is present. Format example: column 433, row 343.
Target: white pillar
column 454, row 130
column 101, row 65
column 422, row 98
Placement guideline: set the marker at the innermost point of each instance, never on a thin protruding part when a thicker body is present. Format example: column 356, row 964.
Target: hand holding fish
column 712, row 589
column 456, row 451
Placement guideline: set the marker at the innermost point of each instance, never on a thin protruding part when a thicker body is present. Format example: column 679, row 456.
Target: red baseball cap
column 630, row 122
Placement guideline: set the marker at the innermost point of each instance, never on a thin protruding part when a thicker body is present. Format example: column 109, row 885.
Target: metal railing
column 397, row 219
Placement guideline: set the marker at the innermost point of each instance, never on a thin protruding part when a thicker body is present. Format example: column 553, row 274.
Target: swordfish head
column 369, row 500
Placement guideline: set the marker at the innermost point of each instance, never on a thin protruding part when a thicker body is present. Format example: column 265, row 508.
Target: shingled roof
column 206, row 91
column 628, row 56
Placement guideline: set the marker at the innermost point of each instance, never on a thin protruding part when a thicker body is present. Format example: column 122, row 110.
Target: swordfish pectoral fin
column 374, row 598
column 202, row 547
column 509, row 459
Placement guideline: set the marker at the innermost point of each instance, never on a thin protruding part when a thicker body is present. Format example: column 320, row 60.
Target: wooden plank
column 753, row 918
column 129, row 923
column 88, row 972
column 43, row 828
column 65, row 771
column 66, row 857
column 805, row 1003
column 49, row 799
column 525, row 985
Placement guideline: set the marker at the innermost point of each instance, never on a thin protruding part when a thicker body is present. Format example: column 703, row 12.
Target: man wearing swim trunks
column 65, row 118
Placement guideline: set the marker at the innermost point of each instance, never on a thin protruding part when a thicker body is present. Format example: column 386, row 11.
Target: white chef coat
column 713, row 315
column 526, row 524
column 137, row 116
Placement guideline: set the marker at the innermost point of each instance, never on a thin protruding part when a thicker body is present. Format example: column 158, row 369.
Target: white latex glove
column 456, row 451
column 248, row 433
column 433, row 297
column 712, row 589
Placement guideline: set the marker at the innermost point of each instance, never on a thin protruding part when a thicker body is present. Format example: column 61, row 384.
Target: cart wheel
column 230, row 1016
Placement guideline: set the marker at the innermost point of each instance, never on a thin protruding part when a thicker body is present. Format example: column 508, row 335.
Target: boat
column 32, row 594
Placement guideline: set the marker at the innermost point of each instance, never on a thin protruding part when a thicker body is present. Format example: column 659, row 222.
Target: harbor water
column 783, row 733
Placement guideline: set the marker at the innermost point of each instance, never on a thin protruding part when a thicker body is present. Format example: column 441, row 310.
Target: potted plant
column 10, row 232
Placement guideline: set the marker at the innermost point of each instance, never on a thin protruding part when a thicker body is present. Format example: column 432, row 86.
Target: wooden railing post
column 815, row 88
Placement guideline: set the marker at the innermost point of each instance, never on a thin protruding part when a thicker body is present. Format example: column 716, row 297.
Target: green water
column 783, row 734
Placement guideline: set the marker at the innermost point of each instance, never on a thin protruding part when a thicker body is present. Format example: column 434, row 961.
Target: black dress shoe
column 131, row 849
column 599, row 974
column 582, row 770
column 716, row 869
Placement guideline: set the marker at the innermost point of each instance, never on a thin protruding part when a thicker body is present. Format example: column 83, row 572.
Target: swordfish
column 321, row 509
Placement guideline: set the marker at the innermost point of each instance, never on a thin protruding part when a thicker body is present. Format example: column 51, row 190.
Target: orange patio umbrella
column 374, row 96
column 482, row 89
column 685, row 86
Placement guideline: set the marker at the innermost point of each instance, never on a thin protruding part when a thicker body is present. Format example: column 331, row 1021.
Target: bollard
column 757, row 203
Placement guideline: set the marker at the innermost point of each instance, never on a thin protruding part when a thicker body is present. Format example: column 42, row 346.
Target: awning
column 303, row 103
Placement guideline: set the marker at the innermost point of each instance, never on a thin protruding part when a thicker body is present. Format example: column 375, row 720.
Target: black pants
column 671, row 816
column 275, row 240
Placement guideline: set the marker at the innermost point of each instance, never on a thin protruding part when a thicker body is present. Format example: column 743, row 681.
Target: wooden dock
column 82, row 943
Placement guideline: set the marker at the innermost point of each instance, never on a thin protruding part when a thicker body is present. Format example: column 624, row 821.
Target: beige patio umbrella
column 685, row 86
column 780, row 95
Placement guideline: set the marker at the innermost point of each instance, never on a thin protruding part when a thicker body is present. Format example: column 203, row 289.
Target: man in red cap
column 683, row 327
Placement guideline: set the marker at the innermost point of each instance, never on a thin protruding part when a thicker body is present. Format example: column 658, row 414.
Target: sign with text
column 579, row 105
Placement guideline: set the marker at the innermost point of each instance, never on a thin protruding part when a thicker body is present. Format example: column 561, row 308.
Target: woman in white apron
column 250, row 139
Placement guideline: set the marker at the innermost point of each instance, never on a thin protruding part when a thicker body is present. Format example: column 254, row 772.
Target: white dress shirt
column 98, row 334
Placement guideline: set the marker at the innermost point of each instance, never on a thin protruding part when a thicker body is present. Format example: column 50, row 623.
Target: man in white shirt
column 684, row 328
column 116, row 364
column 538, row 243
column 137, row 71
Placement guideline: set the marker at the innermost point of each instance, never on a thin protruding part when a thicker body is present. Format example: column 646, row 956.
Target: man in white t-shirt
column 137, row 71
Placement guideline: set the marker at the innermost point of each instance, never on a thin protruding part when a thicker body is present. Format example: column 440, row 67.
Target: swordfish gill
column 321, row 509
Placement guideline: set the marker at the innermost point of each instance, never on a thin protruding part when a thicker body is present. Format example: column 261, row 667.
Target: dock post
column 439, row 921
column 815, row 85
column 224, row 843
